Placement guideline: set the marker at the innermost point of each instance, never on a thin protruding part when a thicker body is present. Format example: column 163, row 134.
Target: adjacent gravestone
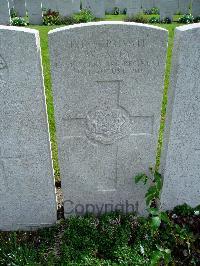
column 68, row 7
column 134, row 7
column 180, row 162
column 11, row 4
column 168, row 8
column 196, row 8
column 20, row 8
column 147, row 4
column 34, row 11
column 49, row 4
column 95, row 6
column 108, row 87
column 4, row 12
column 109, row 6
column 27, row 193
column 122, row 5
column 184, row 6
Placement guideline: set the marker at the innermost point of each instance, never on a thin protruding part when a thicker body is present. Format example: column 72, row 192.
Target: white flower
column 142, row 249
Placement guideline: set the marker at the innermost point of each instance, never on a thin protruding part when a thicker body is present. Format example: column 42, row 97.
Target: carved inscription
column 107, row 125
column 111, row 57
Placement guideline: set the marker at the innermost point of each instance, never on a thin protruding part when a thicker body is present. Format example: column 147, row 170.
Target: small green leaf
column 141, row 177
column 155, row 258
column 153, row 211
column 164, row 217
column 155, row 222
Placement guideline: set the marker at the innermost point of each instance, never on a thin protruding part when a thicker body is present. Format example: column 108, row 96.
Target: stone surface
column 68, row 7
column 108, row 87
column 4, row 12
column 180, row 162
column 49, row 4
column 134, row 7
column 168, row 8
column 97, row 7
column 34, row 11
column 184, row 6
column 196, row 8
column 27, row 193
column 11, row 3
column 20, row 8
column 147, row 4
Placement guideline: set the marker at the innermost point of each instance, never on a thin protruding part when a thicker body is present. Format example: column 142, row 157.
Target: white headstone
column 34, row 11
column 11, row 3
column 68, row 7
column 20, row 8
column 95, row 6
column 27, row 192
column 184, row 6
column 4, row 12
column 147, row 4
column 196, row 8
column 49, row 4
column 108, row 87
column 168, row 8
column 180, row 162
column 134, row 7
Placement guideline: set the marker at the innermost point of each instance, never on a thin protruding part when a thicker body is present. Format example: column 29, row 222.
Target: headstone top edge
column 102, row 23
column 19, row 29
column 188, row 27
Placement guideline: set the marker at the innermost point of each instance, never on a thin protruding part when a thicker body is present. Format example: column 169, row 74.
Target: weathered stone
column 108, row 87
column 11, row 3
column 134, row 7
column 168, row 8
column 147, row 4
column 20, row 8
column 4, row 12
column 68, row 7
column 180, row 161
column 27, row 193
column 184, row 6
column 34, row 11
column 49, row 4
column 97, row 7
column 196, row 8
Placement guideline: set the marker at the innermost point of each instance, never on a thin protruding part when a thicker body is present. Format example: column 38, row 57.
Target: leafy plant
column 166, row 20
column 68, row 20
column 18, row 21
column 116, row 10
column 154, row 20
column 186, row 19
column 152, row 11
column 84, row 16
column 51, row 18
column 140, row 18
column 13, row 13
column 197, row 19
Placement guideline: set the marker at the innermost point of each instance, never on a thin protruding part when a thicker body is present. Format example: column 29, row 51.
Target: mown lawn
column 47, row 78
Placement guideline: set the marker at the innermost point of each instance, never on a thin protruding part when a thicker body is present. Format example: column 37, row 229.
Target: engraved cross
column 105, row 126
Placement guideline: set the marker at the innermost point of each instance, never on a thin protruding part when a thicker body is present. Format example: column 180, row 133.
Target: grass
column 43, row 30
column 109, row 240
